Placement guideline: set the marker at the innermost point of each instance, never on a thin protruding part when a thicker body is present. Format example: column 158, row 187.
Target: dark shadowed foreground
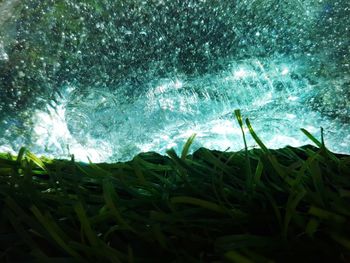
column 261, row 205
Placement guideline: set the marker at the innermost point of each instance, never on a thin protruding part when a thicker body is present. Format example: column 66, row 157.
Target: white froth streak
column 51, row 128
column 51, row 131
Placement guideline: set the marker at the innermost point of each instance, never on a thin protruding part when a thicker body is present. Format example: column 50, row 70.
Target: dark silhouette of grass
column 254, row 205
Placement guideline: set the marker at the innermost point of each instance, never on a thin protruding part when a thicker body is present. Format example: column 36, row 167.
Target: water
column 108, row 80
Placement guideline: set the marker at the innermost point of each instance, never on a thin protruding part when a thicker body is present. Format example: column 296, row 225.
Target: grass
column 254, row 205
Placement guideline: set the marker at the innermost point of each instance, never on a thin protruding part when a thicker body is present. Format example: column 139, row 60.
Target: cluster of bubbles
column 108, row 79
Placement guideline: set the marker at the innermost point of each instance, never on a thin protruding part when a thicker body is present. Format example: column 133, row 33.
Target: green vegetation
column 255, row 205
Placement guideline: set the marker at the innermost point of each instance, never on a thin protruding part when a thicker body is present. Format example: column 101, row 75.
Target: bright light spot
column 3, row 54
column 293, row 98
column 178, row 84
column 267, row 98
column 166, row 103
column 285, row 71
column 6, row 149
column 239, row 74
column 165, row 137
column 290, row 116
column 189, row 133
column 168, row 86
column 146, row 147
column 224, row 127
column 52, row 123
column 279, row 141
column 160, row 89
column 311, row 129
column 52, row 133
column 171, row 145
column 83, row 154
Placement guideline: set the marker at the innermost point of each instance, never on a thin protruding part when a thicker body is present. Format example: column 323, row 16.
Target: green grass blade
column 318, row 181
column 248, row 169
column 312, row 138
column 54, row 234
column 293, row 200
column 236, row 257
column 36, row 160
column 258, row 172
column 311, row 227
column 159, row 236
column 256, row 138
column 110, row 194
column 197, row 202
column 85, row 224
column 326, row 215
column 231, row 242
column 25, row 236
column 275, row 208
column 344, row 241
column 240, row 123
column 187, row 146
column 18, row 210
column 21, row 154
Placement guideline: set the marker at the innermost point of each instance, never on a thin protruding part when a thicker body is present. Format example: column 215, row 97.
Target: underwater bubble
column 107, row 80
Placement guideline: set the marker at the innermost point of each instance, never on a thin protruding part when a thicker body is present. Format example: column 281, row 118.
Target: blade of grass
column 131, row 258
column 240, row 123
column 230, row 242
column 275, row 209
column 159, row 236
column 344, row 241
column 187, row 146
column 197, row 202
column 258, row 172
column 21, row 154
column 321, row 144
column 104, row 253
column 36, row 160
column 138, row 171
column 236, row 257
column 312, row 138
column 109, row 193
column 326, row 215
column 54, row 234
column 293, row 201
column 317, row 179
column 312, row 227
column 247, row 168
column 256, row 138
column 276, row 165
column 98, row 171
column 85, row 224
column 18, row 210
column 23, row 233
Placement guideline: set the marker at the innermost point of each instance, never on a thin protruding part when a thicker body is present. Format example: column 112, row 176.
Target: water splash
column 274, row 93
column 110, row 79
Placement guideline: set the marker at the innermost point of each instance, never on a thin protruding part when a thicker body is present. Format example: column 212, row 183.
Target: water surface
column 109, row 79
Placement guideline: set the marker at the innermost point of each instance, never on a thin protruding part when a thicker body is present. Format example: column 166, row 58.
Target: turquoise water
column 109, row 79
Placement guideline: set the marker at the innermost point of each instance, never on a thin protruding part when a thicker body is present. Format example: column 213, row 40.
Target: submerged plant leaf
column 187, row 146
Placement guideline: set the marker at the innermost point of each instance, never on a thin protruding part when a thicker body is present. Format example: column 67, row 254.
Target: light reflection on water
column 103, row 127
column 120, row 77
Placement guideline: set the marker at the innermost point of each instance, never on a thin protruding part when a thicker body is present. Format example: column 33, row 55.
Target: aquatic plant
column 254, row 205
